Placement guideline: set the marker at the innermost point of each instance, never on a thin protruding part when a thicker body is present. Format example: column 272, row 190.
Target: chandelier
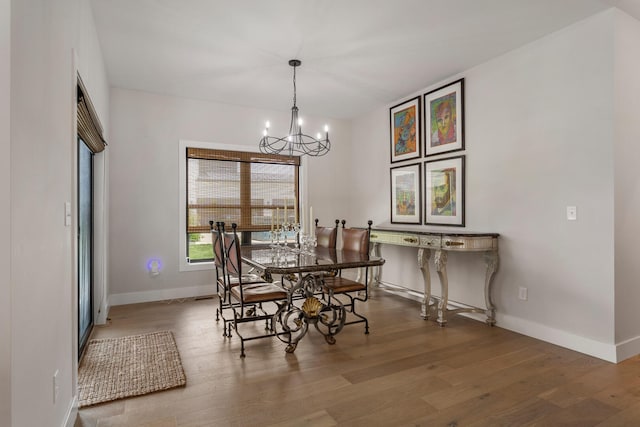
column 296, row 142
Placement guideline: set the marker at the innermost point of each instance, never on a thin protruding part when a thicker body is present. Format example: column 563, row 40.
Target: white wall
column 5, row 214
column 144, row 209
column 539, row 125
column 627, row 183
column 45, row 33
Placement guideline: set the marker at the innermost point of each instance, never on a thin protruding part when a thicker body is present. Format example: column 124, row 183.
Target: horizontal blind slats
column 238, row 187
column 240, row 156
column 89, row 128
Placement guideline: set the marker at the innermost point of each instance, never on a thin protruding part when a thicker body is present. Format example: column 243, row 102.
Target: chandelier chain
column 294, row 85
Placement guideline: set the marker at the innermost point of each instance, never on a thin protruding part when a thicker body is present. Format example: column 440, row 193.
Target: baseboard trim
column 72, row 413
column 101, row 317
column 160, row 295
column 558, row 337
column 628, row 348
column 608, row 352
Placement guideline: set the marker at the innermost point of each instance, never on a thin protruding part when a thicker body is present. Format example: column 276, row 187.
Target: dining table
column 301, row 272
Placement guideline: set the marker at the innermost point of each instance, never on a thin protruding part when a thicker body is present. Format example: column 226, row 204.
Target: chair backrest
column 356, row 239
column 232, row 252
column 327, row 237
column 217, row 235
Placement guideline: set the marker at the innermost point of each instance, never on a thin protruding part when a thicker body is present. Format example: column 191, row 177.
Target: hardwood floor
column 407, row 372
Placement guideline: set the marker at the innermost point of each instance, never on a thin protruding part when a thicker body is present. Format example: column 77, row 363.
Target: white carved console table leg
column 423, row 263
column 440, row 260
column 491, row 260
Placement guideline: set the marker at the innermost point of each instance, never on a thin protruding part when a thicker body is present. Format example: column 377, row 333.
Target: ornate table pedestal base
column 292, row 321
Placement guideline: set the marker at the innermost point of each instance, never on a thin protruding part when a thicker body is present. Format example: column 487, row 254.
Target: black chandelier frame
column 296, row 143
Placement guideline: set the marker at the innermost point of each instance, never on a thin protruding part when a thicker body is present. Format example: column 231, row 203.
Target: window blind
column 242, row 187
column 89, row 128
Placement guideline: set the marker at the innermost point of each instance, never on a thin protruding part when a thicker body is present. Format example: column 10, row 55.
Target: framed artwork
column 405, row 130
column 444, row 119
column 444, row 191
column 406, row 192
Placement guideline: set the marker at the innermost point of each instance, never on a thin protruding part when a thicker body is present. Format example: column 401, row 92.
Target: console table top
column 456, row 233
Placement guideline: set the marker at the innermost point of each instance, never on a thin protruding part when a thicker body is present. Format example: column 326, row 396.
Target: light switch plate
column 572, row 213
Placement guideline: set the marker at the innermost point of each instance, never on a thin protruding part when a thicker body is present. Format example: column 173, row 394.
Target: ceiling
column 357, row 55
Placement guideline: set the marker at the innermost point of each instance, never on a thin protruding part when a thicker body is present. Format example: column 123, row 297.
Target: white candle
column 284, row 219
column 272, row 220
column 312, row 231
column 277, row 215
column 295, row 210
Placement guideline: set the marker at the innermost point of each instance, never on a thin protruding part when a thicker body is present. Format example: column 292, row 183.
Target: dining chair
column 326, row 237
column 250, row 301
column 224, row 279
column 355, row 244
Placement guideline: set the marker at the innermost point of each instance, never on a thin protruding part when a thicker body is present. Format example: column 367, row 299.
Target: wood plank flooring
column 407, row 372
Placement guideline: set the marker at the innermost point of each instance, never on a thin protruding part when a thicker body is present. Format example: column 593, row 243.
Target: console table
column 442, row 243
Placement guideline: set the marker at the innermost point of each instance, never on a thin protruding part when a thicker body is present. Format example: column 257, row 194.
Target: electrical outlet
column 56, row 387
column 572, row 213
column 522, row 293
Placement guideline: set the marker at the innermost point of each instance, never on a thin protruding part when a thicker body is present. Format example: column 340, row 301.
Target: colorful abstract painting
column 405, row 130
column 444, row 186
column 444, row 119
column 406, row 194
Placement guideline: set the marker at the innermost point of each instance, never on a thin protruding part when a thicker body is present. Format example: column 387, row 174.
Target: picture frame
column 444, row 182
column 406, row 194
column 444, row 119
column 405, row 130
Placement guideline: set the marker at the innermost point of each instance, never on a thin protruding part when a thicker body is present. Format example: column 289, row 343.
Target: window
column 239, row 187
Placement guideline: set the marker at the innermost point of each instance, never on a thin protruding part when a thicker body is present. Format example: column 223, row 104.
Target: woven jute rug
column 114, row 368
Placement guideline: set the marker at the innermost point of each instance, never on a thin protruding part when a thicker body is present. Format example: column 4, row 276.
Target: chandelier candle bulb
column 277, row 215
column 311, row 228
column 295, row 210
column 284, row 218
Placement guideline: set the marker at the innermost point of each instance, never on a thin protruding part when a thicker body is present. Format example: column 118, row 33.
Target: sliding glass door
column 85, row 244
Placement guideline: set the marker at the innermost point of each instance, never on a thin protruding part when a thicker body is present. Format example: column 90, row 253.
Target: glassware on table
column 308, row 243
column 296, row 229
column 303, row 242
column 285, row 228
column 277, row 232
